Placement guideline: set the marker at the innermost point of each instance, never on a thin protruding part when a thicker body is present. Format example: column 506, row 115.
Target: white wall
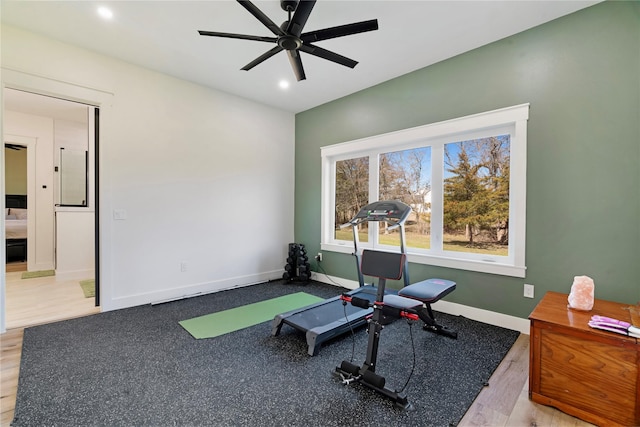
column 202, row 177
column 75, row 244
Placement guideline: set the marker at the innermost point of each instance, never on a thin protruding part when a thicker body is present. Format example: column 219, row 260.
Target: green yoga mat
column 41, row 273
column 88, row 288
column 223, row 322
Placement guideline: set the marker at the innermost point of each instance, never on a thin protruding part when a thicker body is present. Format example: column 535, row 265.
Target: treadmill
column 325, row 320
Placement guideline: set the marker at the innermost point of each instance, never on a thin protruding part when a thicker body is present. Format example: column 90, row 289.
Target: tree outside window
column 476, row 195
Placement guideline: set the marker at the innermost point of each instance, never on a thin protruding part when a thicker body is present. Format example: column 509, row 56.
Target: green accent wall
column 581, row 76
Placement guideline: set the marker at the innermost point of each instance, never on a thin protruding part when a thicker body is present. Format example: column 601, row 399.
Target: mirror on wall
column 73, row 177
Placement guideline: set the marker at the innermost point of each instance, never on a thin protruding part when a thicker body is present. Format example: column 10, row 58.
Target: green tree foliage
column 476, row 193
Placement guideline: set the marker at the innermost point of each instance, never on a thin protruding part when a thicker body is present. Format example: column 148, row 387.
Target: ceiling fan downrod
column 289, row 6
column 288, row 42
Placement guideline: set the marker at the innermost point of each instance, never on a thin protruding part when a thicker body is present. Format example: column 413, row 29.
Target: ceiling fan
column 289, row 35
column 14, row 146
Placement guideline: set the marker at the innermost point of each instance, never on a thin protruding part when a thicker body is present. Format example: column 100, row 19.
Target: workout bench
column 412, row 302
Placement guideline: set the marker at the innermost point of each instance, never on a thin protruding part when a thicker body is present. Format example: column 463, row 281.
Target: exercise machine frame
column 326, row 319
column 413, row 302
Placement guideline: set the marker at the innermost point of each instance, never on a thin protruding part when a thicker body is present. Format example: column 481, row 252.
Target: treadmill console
column 383, row 210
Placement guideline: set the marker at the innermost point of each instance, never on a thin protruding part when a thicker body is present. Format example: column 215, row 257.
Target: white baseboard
column 40, row 266
column 455, row 309
column 452, row 308
column 189, row 291
column 485, row 316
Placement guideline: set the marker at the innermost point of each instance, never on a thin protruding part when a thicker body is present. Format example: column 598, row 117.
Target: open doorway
column 57, row 279
column 15, row 167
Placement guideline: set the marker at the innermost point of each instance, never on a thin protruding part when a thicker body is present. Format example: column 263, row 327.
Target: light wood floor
column 16, row 266
column 41, row 300
column 503, row 403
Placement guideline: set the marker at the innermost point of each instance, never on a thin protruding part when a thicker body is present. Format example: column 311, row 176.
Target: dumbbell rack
column 297, row 267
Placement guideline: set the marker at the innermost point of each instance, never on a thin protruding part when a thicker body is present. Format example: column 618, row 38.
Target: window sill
column 498, row 268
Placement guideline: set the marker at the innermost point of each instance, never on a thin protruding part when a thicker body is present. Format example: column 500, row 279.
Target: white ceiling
column 162, row 36
column 45, row 106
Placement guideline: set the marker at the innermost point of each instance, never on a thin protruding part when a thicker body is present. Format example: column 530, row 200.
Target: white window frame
column 510, row 120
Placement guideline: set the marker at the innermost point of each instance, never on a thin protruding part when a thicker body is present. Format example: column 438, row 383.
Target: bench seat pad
column 428, row 291
column 401, row 302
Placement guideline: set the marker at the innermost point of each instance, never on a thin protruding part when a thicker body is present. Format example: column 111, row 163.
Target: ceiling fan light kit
column 289, row 36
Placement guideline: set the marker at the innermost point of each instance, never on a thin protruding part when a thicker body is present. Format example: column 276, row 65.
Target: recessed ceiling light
column 105, row 12
column 283, row 84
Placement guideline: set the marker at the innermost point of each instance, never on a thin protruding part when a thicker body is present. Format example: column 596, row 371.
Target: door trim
column 101, row 99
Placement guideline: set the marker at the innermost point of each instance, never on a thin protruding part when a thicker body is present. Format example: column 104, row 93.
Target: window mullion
column 329, row 197
column 437, row 197
column 374, row 191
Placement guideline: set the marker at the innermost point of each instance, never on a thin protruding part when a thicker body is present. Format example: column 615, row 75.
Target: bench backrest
column 385, row 265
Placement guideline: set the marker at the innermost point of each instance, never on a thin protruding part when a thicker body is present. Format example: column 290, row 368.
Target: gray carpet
column 139, row 367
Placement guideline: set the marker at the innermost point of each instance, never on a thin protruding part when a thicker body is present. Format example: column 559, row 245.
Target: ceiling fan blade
column 266, row 21
column 340, row 31
column 327, row 54
column 296, row 64
column 238, row 36
column 303, row 10
column 262, row 58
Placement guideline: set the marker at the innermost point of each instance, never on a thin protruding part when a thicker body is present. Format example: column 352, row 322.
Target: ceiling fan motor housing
column 289, row 42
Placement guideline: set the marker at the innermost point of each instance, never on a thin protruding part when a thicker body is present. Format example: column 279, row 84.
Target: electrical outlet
column 119, row 214
column 183, row 267
column 319, row 257
column 528, row 291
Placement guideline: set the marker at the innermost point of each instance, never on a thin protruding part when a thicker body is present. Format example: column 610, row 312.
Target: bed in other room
column 16, row 227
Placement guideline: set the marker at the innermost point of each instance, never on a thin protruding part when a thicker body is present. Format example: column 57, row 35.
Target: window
column 475, row 208
column 352, row 192
column 465, row 180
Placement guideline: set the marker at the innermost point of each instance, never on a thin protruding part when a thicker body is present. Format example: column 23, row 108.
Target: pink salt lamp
column 582, row 295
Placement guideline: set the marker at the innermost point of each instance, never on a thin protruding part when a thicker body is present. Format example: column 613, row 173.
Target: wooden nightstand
column 588, row 373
